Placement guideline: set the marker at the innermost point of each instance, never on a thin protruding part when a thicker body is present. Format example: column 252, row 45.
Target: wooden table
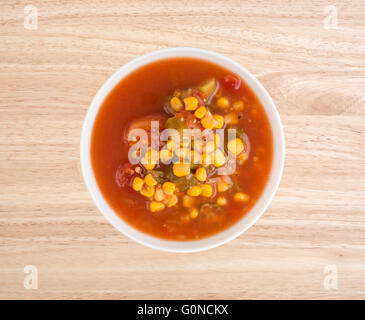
column 313, row 231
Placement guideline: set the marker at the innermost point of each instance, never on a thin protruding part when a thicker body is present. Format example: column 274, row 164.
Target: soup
column 181, row 149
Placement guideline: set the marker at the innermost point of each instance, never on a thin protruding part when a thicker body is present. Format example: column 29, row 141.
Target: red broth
column 143, row 93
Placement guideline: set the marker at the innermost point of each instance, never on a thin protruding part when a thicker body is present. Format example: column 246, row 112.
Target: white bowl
column 242, row 225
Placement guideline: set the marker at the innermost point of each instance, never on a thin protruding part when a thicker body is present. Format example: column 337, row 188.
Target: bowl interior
column 248, row 219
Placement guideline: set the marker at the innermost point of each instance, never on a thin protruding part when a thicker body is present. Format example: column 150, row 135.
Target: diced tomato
column 124, row 174
column 232, row 82
column 189, row 118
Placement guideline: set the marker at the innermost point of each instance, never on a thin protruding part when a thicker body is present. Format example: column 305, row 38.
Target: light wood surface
column 48, row 78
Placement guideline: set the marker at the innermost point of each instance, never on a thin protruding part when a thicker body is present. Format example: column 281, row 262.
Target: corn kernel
column 219, row 158
column 243, row 157
column 194, row 191
column 219, row 121
column 147, row 191
column 201, row 174
column 238, row 105
column 207, row 190
column 188, row 201
column 221, row 201
column 165, row 155
column 159, row 195
column 185, row 143
column 193, row 213
column 191, row 103
column 156, row 206
column 222, row 103
column 150, row 158
column 181, row 169
column 222, row 186
column 137, row 184
column 171, row 145
column 231, row 118
column 173, row 201
column 200, row 112
column 168, row 187
column 176, row 104
column 208, row 121
column 150, row 180
column 241, row 197
column 236, row 146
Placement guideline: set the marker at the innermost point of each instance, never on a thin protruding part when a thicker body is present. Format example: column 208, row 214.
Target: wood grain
column 48, row 78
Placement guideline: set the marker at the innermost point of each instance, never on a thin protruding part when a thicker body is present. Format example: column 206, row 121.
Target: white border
column 239, row 227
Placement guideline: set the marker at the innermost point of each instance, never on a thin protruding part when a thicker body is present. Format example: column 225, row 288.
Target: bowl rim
column 240, row 226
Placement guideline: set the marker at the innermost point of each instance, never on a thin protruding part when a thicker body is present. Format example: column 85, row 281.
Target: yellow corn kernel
column 193, row 213
column 207, row 190
column 185, row 143
column 208, row 121
column 201, row 174
column 238, row 105
column 176, row 104
column 165, row 155
column 219, row 121
column 194, row 191
column 159, row 195
column 188, row 201
column 206, row 160
column 156, row 206
column 241, row 197
column 150, row 180
column 181, row 169
column 147, row 191
column 222, row 186
column 168, row 187
column 173, row 201
column 236, row 146
column 137, row 184
column 221, row 201
column 231, row 118
column 243, row 157
column 219, row 158
column 171, row 145
column 200, row 112
column 191, row 103
column 150, row 158
column 222, row 103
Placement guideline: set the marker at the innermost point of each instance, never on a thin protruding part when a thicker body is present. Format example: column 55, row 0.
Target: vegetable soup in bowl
column 182, row 149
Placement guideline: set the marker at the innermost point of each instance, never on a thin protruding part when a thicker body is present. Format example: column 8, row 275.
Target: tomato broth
column 202, row 205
